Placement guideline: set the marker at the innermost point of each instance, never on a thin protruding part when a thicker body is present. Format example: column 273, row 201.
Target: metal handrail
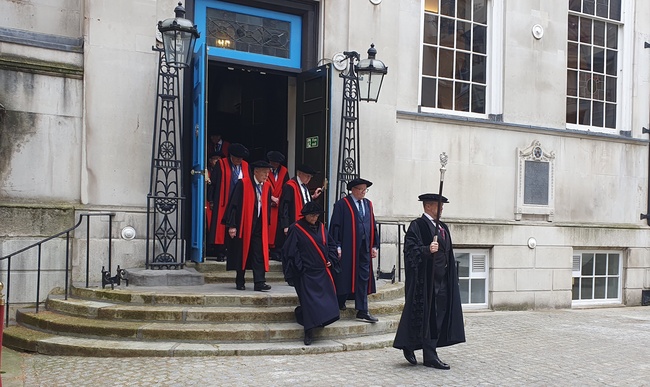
column 401, row 228
column 67, row 257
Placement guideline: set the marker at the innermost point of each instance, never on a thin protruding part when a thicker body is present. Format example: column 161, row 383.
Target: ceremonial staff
column 443, row 169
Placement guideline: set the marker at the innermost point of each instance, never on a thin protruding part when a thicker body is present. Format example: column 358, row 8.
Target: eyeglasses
column 362, row 190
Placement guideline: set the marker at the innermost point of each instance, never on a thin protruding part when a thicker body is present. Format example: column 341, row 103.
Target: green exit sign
column 312, row 142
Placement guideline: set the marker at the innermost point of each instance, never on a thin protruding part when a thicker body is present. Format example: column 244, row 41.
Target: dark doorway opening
column 248, row 106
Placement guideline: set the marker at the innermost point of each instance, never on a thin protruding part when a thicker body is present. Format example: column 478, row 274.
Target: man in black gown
column 432, row 315
column 308, row 255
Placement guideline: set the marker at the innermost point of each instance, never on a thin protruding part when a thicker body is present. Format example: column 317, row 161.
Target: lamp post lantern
column 165, row 247
column 179, row 36
column 362, row 81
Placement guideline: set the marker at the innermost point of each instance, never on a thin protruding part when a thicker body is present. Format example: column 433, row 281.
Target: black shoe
column 241, row 287
column 221, row 258
column 262, row 287
column 437, row 363
column 409, row 355
column 309, row 338
column 366, row 316
column 342, row 307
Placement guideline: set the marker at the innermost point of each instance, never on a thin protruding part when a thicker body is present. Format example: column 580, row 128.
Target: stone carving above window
column 535, row 183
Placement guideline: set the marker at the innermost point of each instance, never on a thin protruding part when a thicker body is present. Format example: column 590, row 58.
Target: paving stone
column 585, row 347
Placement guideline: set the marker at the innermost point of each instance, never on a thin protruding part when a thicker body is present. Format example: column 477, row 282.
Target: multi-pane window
column 454, row 55
column 473, row 275
column 593, row 63
column 596, row 277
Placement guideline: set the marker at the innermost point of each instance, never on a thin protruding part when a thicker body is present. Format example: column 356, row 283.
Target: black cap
column 358, row 181
column 432, row 197
column 275, row 156
column 306, row 169
column 259, row 164
column 311, row 208
column 238, row 150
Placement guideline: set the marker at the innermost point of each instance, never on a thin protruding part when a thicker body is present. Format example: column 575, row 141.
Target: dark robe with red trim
column 240, row 213
column 291, row 203
column 220, row 195
column 418, row 261
column 276, row 190
column 346, row 228
column 304, row 260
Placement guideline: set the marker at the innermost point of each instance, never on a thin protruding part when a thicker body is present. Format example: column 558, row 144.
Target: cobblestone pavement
column 583, row 347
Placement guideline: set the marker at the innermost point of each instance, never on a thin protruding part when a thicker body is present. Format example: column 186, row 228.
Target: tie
column 235, row 174
column 258, row 188
column 361, row 212
column 275, row 173
column 305, row 194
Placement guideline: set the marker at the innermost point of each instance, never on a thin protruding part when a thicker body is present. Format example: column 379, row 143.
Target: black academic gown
column 346, row 229
column 412, row 328
column 304, row 257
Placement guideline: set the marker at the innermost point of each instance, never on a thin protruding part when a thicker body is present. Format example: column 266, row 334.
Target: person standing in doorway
column 247, row 219
column 278, row 177
column 295, row 194
column 225, row 175
column 432, row 315
column 216, row 144
column 354, row 230
column 308, row 260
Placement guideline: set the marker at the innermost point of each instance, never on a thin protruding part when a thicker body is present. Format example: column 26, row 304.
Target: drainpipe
column 643, row 216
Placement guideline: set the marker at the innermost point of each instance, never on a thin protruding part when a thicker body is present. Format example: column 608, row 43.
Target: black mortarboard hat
column 275, row 156
column 306, row 169
column 238, row 150
column 432, row 197
column 311, row 208
column 259, row 164
column 358, row 181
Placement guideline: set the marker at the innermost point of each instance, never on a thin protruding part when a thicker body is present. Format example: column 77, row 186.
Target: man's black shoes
column 241, row 287
column 342, row 306
column 262, row 287
column 367, row 317
column 309, row 336
column 437, row 363
column 409, row 355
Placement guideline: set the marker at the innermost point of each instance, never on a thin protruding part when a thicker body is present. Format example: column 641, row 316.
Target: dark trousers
column 361, row 280
column 255, row 259
column 429, row 344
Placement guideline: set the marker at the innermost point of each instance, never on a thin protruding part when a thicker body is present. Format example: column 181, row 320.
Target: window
column 455, row 55
column 593, row 64
column 473, row 274
column 596, row 277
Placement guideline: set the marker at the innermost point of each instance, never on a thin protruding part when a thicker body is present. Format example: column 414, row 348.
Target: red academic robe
column 221, row 195
column 241, row 209
column 276, row 190
column 291, row 203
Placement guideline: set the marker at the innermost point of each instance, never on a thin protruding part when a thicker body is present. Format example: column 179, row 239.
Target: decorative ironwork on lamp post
column 363, row 82
column 165, row 246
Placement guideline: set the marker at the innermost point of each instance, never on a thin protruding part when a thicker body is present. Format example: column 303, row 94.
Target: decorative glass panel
column 247, row 33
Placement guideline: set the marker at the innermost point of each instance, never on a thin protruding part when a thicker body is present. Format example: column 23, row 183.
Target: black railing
column 396, row 272
column 38, row 246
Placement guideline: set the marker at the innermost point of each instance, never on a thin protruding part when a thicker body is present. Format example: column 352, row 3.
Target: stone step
column 193, row 314
column 24, row 339
column 228, row 277
column 55, row 323
column 215, row 295
column 219, row 267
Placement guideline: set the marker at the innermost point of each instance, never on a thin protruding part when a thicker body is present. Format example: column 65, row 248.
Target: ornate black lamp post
column 165, row 247
column 363, row 82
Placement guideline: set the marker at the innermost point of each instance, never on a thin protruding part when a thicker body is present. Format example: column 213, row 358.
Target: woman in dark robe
column 308, row 257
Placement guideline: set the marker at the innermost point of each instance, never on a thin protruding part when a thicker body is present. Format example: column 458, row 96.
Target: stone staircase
column 206, row 320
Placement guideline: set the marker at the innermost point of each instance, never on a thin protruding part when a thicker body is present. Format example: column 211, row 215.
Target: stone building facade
column 540, row 106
